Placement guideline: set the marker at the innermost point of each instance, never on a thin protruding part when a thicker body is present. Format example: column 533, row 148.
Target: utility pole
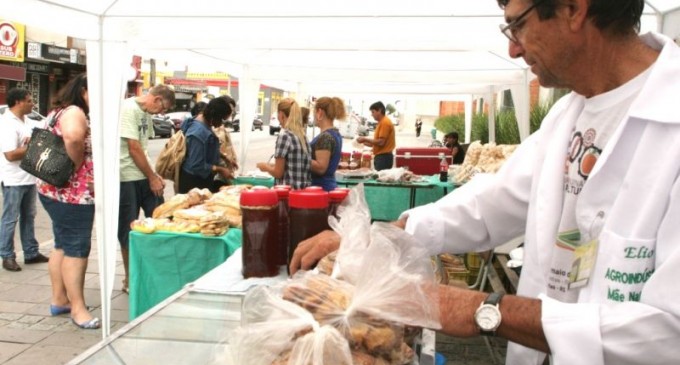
column 152, row 72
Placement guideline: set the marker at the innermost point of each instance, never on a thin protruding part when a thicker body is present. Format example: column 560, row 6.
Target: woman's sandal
column 56, row 310
column 92, row 324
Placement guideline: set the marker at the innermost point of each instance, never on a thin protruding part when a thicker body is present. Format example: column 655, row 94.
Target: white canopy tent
column 376, row 48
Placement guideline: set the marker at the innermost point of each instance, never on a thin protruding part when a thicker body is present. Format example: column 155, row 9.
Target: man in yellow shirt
column 383, row 141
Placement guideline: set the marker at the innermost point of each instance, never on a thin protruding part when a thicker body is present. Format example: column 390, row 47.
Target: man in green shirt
column 140, row 186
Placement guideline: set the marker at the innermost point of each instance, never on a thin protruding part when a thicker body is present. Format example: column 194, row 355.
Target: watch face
column 488, row 317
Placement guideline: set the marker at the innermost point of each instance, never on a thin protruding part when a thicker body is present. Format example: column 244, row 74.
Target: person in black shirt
column 451, row 142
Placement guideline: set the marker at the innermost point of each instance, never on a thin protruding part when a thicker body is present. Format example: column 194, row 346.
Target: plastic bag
column 393, row 175
column 315, row 319
column 354, row 228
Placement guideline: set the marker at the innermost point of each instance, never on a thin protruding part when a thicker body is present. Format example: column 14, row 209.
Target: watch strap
column 492, row 299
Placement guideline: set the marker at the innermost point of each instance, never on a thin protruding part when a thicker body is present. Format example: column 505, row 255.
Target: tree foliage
column 507, row 131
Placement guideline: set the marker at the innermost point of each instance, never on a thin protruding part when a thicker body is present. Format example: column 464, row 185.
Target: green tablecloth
column 388, row 201
column 242, row 180
column 161, row 263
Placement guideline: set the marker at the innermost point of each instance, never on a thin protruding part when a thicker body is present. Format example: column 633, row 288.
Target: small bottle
column 443, row 169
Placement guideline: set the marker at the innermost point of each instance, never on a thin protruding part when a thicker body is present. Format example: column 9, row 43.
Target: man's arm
column 370, row 142
column 16, row 154
column 139, row 157
column 520, row 323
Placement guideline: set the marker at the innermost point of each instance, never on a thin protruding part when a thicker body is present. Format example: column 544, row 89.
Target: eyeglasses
column 510, row 29
column 163, row 106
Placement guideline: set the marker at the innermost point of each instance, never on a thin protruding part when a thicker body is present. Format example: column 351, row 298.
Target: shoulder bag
column 46, row 156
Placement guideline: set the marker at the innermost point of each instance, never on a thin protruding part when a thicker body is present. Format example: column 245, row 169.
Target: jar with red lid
column 260, row 248
column 366, row 161
column 308, row 214
column 313, row 188
column 286, row 187
column 345, row 157
column 356, row 160
column 284, row 238
column 335, row 198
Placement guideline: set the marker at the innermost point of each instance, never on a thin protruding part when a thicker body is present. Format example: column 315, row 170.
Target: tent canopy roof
column 376, row 47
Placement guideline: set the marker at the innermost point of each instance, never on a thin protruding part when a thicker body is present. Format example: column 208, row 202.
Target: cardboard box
column 422, row 160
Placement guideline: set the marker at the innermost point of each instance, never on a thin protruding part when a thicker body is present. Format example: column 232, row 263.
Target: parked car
column 258, row 124
column 274, row 126
column 38, row 118
column 178, row 118
column 163, row 126
column 371, row 124
column 235, row 123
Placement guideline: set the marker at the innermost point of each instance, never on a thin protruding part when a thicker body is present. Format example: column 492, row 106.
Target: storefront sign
column 40, row 51
column 207, row 76
column 12, row 41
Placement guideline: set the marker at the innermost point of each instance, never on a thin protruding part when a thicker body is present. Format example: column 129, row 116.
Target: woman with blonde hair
column 292, row 156
column 327, row 146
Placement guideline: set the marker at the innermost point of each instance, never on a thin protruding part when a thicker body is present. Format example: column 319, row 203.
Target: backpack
column 170, row 159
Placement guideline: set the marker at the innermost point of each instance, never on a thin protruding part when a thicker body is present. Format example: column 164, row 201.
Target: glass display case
column 188, row 328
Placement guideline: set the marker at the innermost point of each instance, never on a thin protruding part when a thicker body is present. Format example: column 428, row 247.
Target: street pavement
column 30, row 336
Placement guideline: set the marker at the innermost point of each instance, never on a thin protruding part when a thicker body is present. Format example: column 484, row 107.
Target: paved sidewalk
column 29, row 335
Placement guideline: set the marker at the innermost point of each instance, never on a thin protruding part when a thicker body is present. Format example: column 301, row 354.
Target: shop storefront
column 39, row 68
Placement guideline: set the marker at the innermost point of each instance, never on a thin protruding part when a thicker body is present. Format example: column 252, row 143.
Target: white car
column 274, row 126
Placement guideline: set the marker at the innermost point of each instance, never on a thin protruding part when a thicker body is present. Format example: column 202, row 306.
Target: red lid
column 367, row 154
column 344, row 190
column 313, row 188
column 356, row 153
column 259, row 198
column 281, row 192
column 336, row 196
column 308, row 199
column 345, row 154
column 287, row 187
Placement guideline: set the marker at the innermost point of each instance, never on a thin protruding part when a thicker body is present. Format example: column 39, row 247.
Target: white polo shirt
column 12, row 133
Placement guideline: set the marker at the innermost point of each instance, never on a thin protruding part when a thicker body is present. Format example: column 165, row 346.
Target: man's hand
column 157, row 184
column 311, row 250
column 225, row 172
column 361, row 139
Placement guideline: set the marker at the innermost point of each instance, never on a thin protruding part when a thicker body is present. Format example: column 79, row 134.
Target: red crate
column 421, row 160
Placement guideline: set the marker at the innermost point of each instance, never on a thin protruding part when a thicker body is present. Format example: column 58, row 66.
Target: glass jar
column 284, row 223
column 366, row 161
column 260, row 246
column 345, row 157
column 308, row 214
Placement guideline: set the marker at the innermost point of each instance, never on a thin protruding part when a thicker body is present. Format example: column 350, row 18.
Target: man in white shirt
column 595, row 191
column 18, row 186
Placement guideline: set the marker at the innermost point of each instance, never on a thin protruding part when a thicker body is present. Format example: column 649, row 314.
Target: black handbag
column 46, row 156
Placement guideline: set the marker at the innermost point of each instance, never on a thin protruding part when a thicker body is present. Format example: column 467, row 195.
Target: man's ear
column 576, row 12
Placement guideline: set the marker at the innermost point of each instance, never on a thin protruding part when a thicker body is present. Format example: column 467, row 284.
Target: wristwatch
column 488, row 315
